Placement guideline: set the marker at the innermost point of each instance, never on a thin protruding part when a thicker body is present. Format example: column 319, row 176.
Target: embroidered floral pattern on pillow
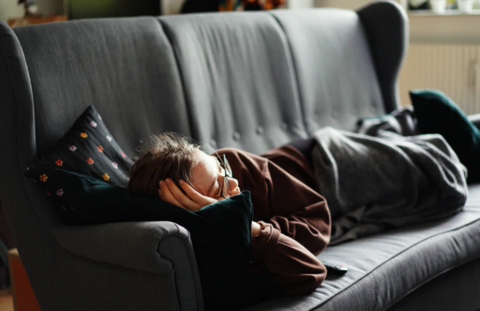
column 88, row 148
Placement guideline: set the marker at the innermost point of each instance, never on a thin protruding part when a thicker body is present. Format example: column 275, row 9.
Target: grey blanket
column 378, row 178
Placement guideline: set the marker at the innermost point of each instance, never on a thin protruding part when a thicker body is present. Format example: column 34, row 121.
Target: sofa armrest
column 386, row 27
column 133, row 245
column 158, row 247
column 475, row 119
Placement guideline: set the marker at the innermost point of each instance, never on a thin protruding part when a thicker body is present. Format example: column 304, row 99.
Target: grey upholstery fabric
column 337, row 85
column 386, row 26
column 27, row 231
column 238, row 78
column 159, row 248
column 124, row 67
column 5, row 233
column 81, row 284
column 48, row 75
column 105, row 243
column 464, row 281
column 253, row 81
column 385, row 268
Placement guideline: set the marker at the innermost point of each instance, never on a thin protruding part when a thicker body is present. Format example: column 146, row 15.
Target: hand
column 193, row 201
column 256, row 228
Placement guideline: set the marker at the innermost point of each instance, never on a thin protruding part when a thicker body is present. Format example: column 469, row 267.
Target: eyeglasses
column 226, row 189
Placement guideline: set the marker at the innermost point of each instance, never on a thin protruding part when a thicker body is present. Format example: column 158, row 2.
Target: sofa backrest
column 247, row 80
column 336, row 76
column 238, row 79
column 126, row 68
column 258, row 80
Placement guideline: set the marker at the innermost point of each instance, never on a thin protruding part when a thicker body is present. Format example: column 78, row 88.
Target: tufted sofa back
column 239, row 79
column 247, row 80
column 126, row 68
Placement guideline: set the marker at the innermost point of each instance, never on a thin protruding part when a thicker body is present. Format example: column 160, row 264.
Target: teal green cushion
column 220, row 232
column 436, row 113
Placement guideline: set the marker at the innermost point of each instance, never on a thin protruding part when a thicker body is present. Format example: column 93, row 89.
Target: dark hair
column 168, row 155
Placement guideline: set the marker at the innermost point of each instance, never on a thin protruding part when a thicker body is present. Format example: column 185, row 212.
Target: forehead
column 204, row 160
column 204, row 172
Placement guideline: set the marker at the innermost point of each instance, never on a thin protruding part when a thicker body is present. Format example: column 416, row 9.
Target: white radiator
column 453, row 69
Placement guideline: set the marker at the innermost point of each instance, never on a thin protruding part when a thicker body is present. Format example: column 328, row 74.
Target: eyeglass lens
column 228, row 173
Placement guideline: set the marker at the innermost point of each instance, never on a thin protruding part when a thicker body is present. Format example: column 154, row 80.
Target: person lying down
column 372, row 182
column 291, row 220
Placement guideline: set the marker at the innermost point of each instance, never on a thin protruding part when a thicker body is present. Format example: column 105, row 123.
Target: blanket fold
column 378, row 179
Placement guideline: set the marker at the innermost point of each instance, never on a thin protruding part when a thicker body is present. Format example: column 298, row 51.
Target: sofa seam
column 395, row 256
column 187, row 103
column 299, row 96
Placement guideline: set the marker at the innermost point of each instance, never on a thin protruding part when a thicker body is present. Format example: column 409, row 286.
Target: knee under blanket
column 384, row 179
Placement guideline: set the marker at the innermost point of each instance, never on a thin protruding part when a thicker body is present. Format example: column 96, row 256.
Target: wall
column 451, row 28
column 9, row 9
column 172, row 6
column 342, row 4
column 353, row 4
column 49, row 7
column 300, row 4
column 427, row 27
column 445, row 28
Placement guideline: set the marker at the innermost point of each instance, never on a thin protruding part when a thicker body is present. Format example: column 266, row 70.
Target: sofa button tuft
column 213, row 143
column 259, row 130
column 237, row 136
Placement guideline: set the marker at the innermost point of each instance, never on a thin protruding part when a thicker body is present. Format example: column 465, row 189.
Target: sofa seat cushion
column 383, row 269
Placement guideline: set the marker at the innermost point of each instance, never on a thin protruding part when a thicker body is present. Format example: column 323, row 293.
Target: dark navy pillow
column 87, row 148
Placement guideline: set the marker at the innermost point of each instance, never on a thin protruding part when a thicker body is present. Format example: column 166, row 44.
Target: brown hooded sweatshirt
column 295, row 219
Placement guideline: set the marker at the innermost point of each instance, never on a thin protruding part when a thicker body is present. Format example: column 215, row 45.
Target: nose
column 233, row 183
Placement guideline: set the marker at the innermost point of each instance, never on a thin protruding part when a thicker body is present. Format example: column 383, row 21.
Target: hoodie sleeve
column 295, row 218
column 286, row 261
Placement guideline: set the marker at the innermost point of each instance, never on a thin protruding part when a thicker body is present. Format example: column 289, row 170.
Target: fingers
column 199, row 199
column 186, row 201
column 166, row 195
column 192, row 201
column 183, row 200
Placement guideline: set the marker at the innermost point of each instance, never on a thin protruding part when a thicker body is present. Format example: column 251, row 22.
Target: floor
column 6, row 302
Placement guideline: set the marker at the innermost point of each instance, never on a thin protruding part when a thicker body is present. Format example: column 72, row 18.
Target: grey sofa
column 247, row 80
